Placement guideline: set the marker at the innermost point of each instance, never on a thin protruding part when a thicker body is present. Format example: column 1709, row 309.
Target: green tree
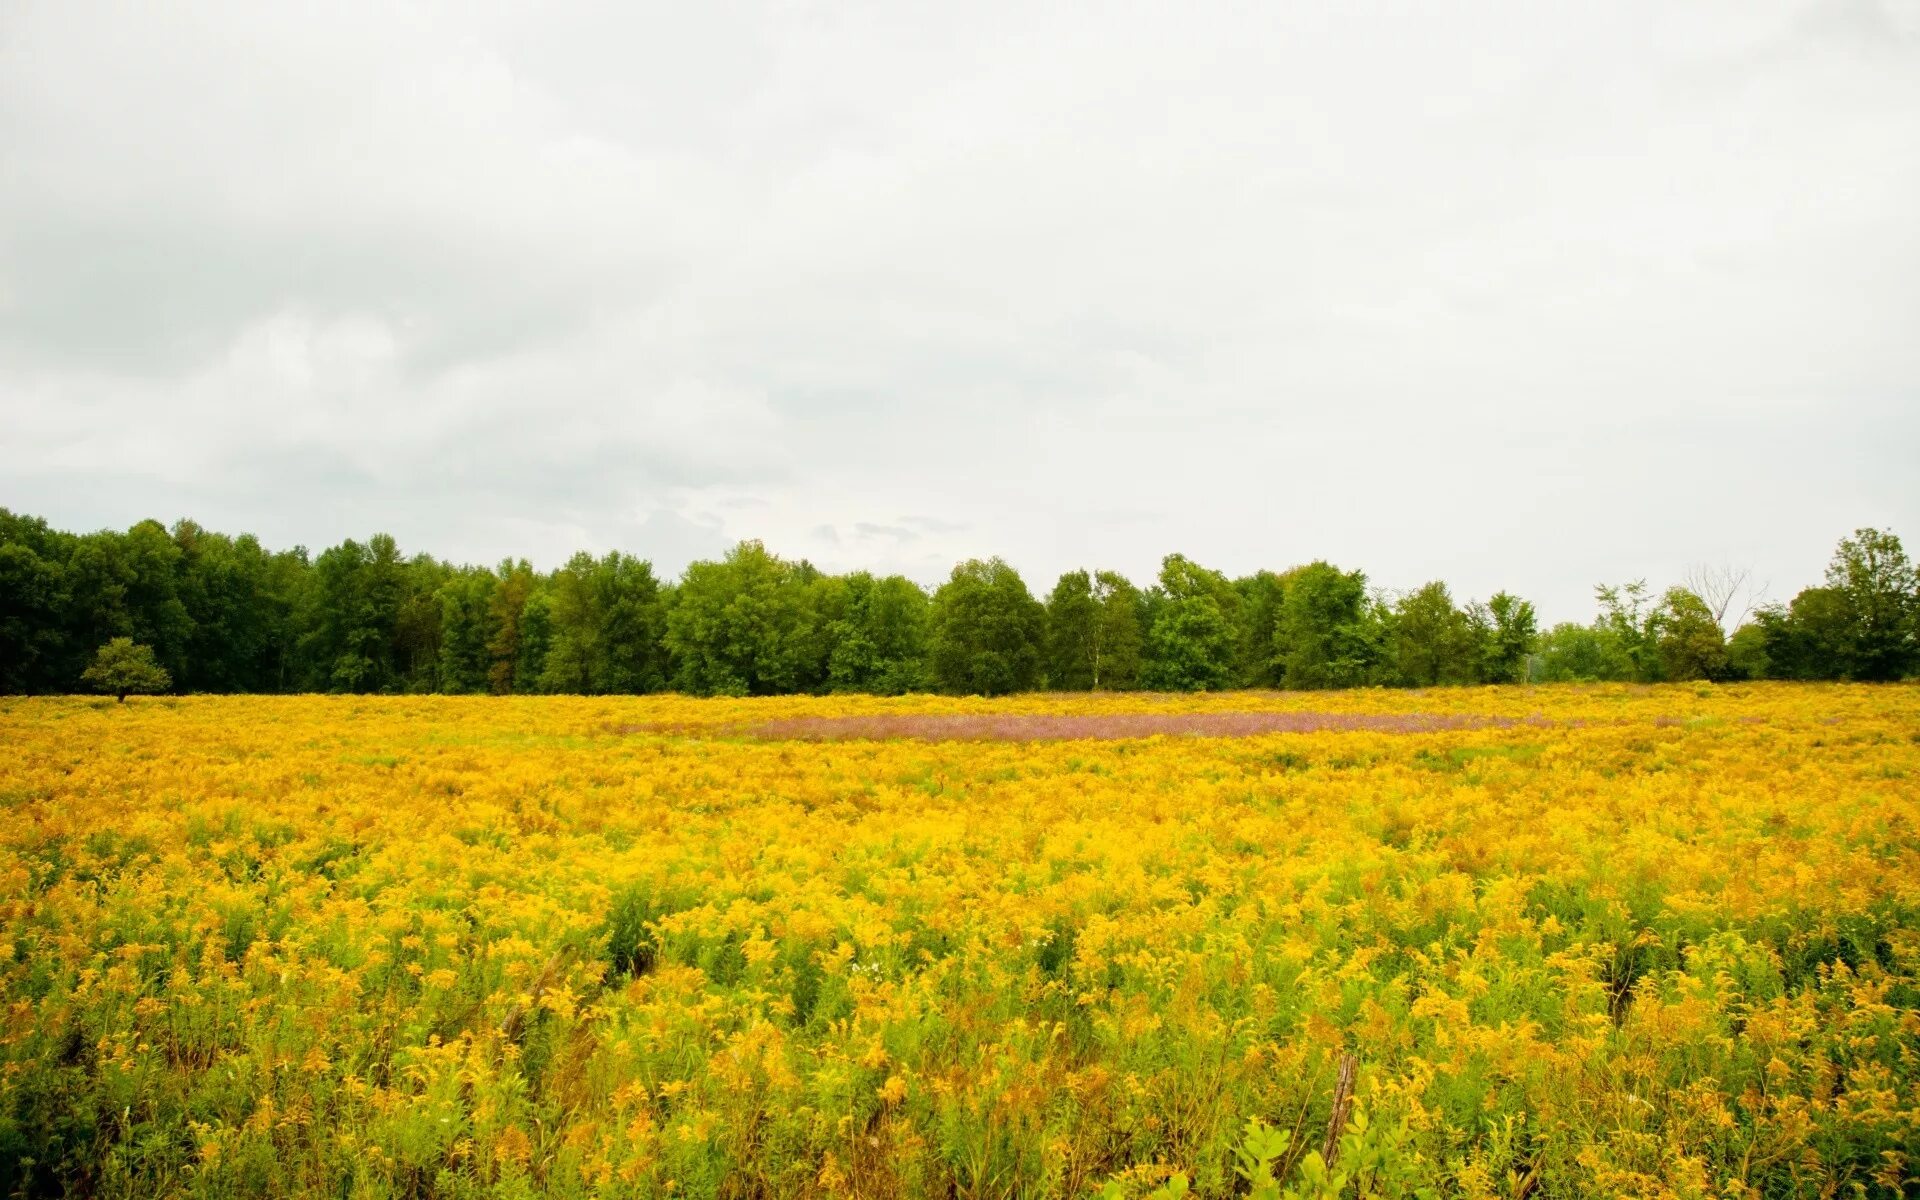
column 879, row 641
column 987, row 631
column 1627, row 619
column 1432, row 640
column 1811, row 638
column 1510, row 634
column 1328, row 635
column 1119, row 640
column 349, row 613
column 1094, row 636
column 1687, row 638
column 633, row 626
column 419, row 631
column 1575, row 653
column 1262, row 598
column 124, row 667
column 1871, row 572
column 465, row 599
column 1193, row 644
column 607, row 627
column 739, row 626
column 507, row 629
column 1747, row 653
column 1071, row 617
column 35, row 606
column 238, row 614
column 127, row 585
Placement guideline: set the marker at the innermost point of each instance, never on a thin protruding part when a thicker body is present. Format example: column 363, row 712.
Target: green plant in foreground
column 1369, row 1160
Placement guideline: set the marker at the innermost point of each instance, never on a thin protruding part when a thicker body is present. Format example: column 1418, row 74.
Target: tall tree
column 1119, row 633
column 238, row 618
column 35, row 606
column 507, row 629
column 418, row 628
column 1328, row 634
column 1687, row 638
column 1193, row 644
column 1627, row 620
column 1809, row 638
column 1094, row 636
column 352, row 612
column 1510, row 635
column 607, row 626
column 1071, row 616
column 879, row 641
column 1432, row 640
column 1262, row 598
column 466, row 602
column 1871, row 572
column 735, row 625
column 987, row 630
column 633, row 625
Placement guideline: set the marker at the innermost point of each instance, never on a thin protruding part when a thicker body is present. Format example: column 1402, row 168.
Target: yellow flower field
column 1604, row 941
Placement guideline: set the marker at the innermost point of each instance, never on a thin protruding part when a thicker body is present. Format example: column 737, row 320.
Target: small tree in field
column 124, row 667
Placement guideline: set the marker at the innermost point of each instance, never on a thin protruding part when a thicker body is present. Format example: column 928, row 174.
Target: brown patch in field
column 1036, row 727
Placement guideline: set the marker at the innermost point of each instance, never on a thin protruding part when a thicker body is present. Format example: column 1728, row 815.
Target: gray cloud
column 1522, row 296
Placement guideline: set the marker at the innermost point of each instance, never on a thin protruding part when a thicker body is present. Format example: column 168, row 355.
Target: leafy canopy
column 124, row 667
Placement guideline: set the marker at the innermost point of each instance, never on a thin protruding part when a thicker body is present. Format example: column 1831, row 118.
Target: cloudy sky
column 1517, row 295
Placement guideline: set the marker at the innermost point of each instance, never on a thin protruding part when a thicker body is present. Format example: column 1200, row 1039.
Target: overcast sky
column 1517, row 295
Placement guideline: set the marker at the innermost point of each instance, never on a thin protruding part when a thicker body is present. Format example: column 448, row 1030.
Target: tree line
column 209, row 612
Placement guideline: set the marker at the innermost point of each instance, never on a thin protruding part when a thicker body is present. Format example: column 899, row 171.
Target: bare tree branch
column 1722, row 587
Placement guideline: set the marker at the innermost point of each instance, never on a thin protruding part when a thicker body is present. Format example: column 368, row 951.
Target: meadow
column 1561, row 941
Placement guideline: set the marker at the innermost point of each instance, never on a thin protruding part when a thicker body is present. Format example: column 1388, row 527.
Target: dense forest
column 224, row 614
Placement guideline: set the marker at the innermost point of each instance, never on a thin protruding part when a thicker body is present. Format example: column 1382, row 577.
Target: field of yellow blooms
column 1607, row 941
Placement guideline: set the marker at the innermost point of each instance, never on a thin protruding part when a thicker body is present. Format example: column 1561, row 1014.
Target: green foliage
column 1627, row 619
column 34, row 603
column 1432, row 641
column 1880, row 593
column 1370, row 1160
column 465, row 600
column 1328, row 634
column 879, row 639
column 1747, row 656
column 1809, row 639
column 1072, row 615
column 1117, row 648
column 1262, row 596
column 353, row 616
column 124, row 667
column 1687, row 638
column 1193, row 642
column 1571, row 653
column 1510, row 634
column 741, row 626
column 1635, row 639
column 222, row 614
column 507, row 621
column 988, row 631
column 607, row 625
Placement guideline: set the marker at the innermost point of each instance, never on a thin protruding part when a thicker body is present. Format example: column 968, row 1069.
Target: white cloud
column 1517, row 295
